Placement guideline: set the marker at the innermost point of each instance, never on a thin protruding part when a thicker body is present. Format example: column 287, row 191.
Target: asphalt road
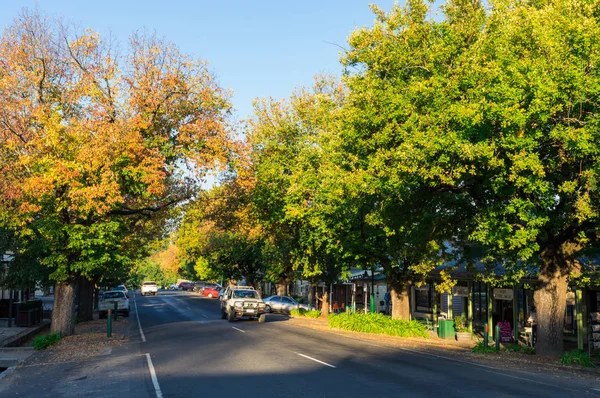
column 194, row 353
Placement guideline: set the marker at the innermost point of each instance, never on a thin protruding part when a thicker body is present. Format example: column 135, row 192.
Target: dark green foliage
column 460, row 323
column 30, row 305
column 43, row 342
column 480, row 348
column 377, row 324
column 305, row 313
column 577, row 357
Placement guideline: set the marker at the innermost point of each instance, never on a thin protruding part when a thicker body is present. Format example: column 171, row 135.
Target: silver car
column 282, row 304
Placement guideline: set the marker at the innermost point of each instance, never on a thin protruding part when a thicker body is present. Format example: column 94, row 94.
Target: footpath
column 85, row 364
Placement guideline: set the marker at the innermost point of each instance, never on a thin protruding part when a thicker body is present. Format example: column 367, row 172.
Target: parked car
column 123, row 289
column 211, row 291
column 282, row 304
column 200, row 286
column 242, row 301
column 108, row 303
column 149, row 288
column 187, row 286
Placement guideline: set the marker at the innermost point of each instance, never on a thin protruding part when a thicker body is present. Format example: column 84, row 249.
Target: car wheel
column 210, row 295
column 230, row 315
column 126, row 313
column 223, row 314
column 262, row 318
column 268, row 309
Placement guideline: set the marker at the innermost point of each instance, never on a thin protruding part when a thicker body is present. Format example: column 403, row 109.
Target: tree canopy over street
column 469, row 138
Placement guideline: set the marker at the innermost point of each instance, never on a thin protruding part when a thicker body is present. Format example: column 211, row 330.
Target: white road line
column 138, row 319
column 240, row 330
column 490, row 369
column 204, row 316
column 313, row 359
column 154, row 379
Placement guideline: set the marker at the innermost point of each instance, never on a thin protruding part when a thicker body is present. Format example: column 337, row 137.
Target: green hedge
column 30, row 305
column 305, row 313
column 377, row 324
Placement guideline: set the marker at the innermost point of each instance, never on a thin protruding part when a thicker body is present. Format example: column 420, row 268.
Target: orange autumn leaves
column 86, row 130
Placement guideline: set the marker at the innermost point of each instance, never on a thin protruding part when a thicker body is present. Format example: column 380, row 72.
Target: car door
column 275, row 304
column 287, row 304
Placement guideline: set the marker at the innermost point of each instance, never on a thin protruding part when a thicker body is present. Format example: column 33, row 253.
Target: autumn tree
column 97, row 145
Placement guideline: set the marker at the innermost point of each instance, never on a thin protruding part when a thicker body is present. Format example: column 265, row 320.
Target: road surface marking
column 154, row 379
column 243, row 331
column 490, row 369
column 138, row 319
column 313, row 359
column 204, row 316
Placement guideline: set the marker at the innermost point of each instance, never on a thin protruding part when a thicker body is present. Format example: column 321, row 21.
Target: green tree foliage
column 493, row 117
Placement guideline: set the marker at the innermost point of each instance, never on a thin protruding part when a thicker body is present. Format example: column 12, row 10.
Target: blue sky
column 257, row 48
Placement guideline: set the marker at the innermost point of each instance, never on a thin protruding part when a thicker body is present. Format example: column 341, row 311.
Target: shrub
column 377, row 324
column 305, row 313
column 43, row 342
column 481, row 348
column 460, row 323
column 577, row 357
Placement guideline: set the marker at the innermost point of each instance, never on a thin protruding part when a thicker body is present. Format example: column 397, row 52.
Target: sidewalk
column 85, row 364
column 14, row 336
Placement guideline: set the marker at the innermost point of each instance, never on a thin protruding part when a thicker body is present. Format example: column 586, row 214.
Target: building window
column 423, row 298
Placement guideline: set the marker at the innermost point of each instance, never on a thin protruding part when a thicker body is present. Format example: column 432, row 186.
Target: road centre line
column 316, row 360
column 240, row 330
column 154, row 378
column 490, row 369
column 138, row 319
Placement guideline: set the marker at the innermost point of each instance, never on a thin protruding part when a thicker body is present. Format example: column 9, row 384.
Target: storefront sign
column 503, row 294
column 460, row 291
column 506, row 333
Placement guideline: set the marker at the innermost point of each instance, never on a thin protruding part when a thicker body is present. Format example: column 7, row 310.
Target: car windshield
column 245, row 294
column 113, row 295
column 149, row 283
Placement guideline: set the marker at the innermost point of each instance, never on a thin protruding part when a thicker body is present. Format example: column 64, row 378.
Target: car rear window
column 114, row 295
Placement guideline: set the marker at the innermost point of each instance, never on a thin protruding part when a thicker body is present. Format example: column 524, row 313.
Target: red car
column 211, row 292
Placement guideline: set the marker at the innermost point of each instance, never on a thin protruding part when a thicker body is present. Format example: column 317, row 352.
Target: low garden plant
column 45, row 341
column 305, row 313
column 577, row 357
column 377, row 324
column 481, row 348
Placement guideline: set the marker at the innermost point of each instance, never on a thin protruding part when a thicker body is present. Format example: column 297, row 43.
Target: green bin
column 446, row 329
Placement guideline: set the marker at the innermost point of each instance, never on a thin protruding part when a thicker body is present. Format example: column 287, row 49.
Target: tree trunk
column 400, row 301
column 282, row 289
column 96, row 298
column 63, row 313
column 311, row 296
column 85, row 309
column 325, row 305
column 550, row 301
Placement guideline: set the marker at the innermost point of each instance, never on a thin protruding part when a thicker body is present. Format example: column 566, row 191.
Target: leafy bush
column 30, row 305
column 305, row 313
column 43, row 342
column 377, row 324
column 481, row 348
column 460, row 323
column 519, row 348
column 577, row 357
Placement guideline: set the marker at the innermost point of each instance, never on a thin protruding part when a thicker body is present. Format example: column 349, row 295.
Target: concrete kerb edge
column 7, row 372
column 18, row 339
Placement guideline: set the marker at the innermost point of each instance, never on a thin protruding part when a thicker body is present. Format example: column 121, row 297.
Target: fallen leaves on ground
column 89, row 341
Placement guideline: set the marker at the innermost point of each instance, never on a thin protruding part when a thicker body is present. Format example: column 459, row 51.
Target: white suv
column 149, row 288
column 242, row 301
